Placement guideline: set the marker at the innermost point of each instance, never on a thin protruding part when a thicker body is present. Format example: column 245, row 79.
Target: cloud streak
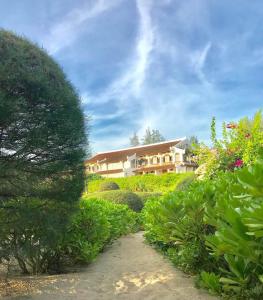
column 168, row 64
column 129, row 83
column 63, row 33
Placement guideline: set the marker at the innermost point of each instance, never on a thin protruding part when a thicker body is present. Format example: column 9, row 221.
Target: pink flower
column 248, row 135
column 231, row 126
column 238, row 163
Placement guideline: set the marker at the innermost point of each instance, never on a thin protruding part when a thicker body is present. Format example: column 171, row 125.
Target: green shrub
column 175, row 224
column 210, row 281
column 142, row 183
column 241, row 145
column 42, row 151
column 120, row 197
column 108, row 186
column 145, row 196
column 185, row 182
column 214, row 228
column 95, row 225
column 93, row 176
column 44, row 139
column 238, row 240
column 31, row 232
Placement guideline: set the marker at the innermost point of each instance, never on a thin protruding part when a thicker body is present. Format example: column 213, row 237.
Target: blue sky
column 167, row 64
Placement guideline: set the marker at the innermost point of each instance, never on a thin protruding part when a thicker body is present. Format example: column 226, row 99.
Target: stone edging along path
column 128, row 269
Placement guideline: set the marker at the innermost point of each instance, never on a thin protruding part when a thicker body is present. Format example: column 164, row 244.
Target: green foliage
column 146, row 196
column 175, row 222
column 42, row 131
column 213, row 132
column 93, row 176
column 241, row 144
column 210, row 281
column 31, row 231
column 108, row 186
column 214, row 228
column 238, row 221
column 152, row 136
column 143, row 183
column 134, row 140
column 96, row 224
column 133, row 201
column 185, row 182
column 42, row 149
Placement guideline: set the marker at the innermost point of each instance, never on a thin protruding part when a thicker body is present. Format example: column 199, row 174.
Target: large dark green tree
column 42, row 150
column 42, row 134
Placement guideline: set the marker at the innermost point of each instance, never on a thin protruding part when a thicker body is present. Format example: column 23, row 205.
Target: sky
column 166, row 64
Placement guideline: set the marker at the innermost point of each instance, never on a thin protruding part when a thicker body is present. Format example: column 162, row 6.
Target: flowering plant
column 240, row 145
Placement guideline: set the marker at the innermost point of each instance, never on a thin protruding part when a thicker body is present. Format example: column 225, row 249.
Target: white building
column 163, row 157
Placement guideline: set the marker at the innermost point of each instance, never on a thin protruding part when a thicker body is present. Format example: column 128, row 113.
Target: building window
column 167, row 158
column 155, row 160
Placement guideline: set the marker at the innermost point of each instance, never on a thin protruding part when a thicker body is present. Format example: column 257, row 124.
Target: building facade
column 168, row 156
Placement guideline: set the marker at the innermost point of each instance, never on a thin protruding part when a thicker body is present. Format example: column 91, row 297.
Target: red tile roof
column 120, row 155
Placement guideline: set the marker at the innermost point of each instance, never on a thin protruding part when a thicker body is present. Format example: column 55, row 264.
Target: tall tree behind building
column 152, row 136
column 134, row 140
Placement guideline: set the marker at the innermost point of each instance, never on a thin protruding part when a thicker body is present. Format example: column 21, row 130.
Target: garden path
column 128, row 269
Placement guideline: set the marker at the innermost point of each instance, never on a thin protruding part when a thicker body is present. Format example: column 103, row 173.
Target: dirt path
column 129, row 269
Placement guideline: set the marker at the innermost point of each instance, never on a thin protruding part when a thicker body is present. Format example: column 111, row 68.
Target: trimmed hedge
column 133, row 201
column 108, row 186
column 145, row 196
column 95, row 225
column 143, row 183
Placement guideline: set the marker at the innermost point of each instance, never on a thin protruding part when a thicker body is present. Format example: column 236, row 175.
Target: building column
column 148, row 160
column 174, row 157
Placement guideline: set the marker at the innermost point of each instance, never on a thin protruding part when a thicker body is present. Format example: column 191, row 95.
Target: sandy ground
column 129, row 269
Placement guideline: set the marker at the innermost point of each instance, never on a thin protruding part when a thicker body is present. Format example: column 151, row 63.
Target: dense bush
column 185, row 182
column 142, row 183
column 31, row 231
column 42, row 126
column 96, row 224
column 40, row 243
column 214, row 229
column 145, row 196
column 133, row 201
column 42, row 149
column 108, row 186
column 240, row 145
column 175, row 224
column 92, row 176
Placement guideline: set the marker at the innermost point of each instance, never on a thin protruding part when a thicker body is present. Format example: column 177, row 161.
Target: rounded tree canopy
column 42, row 129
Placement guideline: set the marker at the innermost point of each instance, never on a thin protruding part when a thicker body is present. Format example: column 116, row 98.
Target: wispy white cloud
column 162, row 101
column 127, row 89
column 64, row 32
column 130, row 82
column 168, row 64
column 199, row 60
